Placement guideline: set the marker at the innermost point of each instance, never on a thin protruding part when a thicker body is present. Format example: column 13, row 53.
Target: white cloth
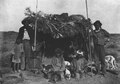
column 67, row 63
column 26, row 36
column 80, row 52
column 67, row 73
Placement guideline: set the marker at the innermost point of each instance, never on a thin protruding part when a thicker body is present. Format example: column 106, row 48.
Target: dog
column 91, row 67
column 110, row 62
column 55, row 77
column 67, row 74
column 47, row 69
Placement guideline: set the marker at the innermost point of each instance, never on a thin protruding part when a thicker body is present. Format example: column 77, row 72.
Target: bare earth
column 6, row 42
column 25, row 77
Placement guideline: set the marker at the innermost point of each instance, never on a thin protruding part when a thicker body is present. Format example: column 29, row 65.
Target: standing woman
column 100, row 38
column 26, row 35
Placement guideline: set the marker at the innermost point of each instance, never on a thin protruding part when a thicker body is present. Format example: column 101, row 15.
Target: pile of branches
column 60, row 25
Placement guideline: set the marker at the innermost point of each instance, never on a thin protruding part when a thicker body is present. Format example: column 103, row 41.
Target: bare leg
column 14, row 67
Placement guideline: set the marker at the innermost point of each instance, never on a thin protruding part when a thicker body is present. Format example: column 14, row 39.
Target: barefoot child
column 17, row 52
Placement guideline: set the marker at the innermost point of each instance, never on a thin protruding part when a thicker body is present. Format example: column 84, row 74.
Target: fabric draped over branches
column 59, row 25
column 59, row 30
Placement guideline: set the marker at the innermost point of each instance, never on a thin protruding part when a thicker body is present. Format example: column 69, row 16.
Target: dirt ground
column 26, row 77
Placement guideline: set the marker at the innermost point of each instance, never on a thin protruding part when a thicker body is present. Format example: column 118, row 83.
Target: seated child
column 78, row 65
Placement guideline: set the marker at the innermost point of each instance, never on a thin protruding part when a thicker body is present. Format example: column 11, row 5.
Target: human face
column 97, row 26
column 18, row 41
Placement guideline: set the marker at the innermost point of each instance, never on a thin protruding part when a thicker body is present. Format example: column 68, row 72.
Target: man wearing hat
column 26, row 35
column 100, row 38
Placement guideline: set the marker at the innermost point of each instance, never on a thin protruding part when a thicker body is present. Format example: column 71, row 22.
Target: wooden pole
column 86, row 8
column 35, row 26
column 35, row 34
column 89, row 39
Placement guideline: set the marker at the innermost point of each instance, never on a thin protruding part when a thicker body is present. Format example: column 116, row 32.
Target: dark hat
column 58, row 51
column 97, row 22
column 18, row 41
column 26, row 20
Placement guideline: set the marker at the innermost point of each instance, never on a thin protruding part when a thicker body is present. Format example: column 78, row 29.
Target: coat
column 30, row 33
column 100, row 36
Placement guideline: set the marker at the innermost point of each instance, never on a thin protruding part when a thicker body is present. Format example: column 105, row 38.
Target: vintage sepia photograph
column 59, row 41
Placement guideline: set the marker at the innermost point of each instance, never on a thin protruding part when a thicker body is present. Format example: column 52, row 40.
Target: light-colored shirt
column 26, row 36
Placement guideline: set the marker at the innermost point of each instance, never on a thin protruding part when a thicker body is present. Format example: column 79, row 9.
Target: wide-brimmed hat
column 97, row 22
column 26, row 20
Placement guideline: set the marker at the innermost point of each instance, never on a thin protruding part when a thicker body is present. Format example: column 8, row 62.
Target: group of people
column 23, row 47
column 61, row 69
column 25, row 41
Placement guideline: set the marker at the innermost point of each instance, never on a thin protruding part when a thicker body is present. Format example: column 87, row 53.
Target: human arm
column 106, row 35
column 20, row 34
column 62, row 64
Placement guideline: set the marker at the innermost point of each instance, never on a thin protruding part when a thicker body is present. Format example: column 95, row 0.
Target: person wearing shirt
column 58, row 62
column 26, row 35
column 100, row 38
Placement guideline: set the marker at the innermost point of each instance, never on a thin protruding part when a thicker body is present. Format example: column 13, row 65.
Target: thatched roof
column 58, row 24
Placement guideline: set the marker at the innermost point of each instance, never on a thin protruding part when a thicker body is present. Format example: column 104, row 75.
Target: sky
column 107, row 11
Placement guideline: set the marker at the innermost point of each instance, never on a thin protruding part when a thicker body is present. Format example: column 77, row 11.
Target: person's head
column 58, row 52
column 18, row 41
column 97, row 24
column 25, row 22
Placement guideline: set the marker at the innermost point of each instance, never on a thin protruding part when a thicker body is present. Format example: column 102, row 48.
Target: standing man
column 100, row 37
column 26, row 35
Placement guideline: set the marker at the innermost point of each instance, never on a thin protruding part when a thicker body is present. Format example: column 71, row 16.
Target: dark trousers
column 100, row 58
column 28, row 51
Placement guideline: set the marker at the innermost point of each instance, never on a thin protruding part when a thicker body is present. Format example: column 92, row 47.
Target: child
column 78, row 65
column 17, row 52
